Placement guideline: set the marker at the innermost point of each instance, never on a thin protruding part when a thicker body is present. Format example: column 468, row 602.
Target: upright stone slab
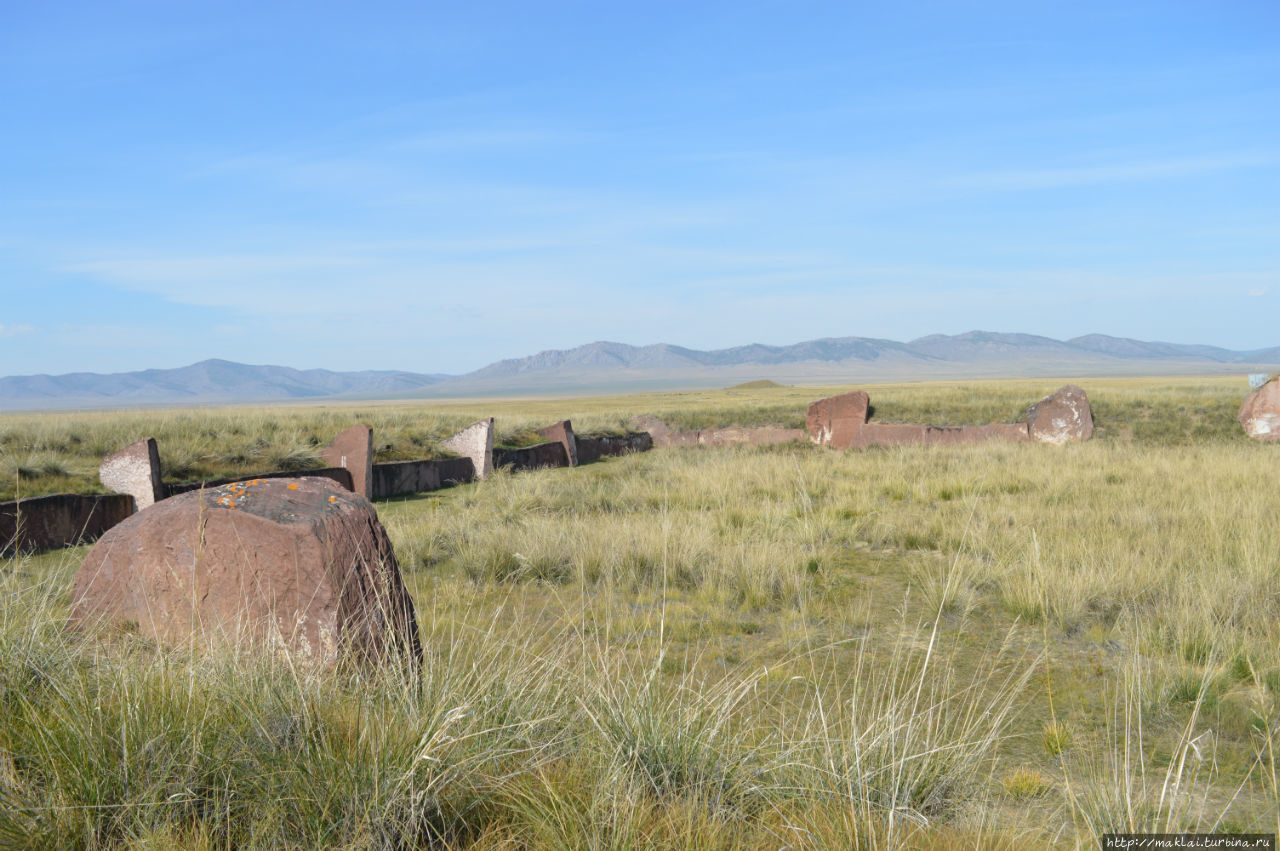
column 475, row 442
column 298, row 563
column 1260, row 413
column 353, row 449
column 836, row 420
column 134, row 470
column 1061, row 418
column 562, row 433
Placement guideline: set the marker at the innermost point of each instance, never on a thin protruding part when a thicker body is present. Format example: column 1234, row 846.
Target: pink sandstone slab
column 475, row 442
column 562, row 433
column 134, row 470
column 353, row 449
column 836, row 420
column 300, row 564
column 1260, row 413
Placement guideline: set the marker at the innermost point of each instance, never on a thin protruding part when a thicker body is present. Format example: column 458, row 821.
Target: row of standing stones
column 304, row 565
column 299, row 563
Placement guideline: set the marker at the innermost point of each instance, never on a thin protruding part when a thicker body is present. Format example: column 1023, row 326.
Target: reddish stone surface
column 562, row 433
column 996, row 431
column 836, row 420
column 1260, row 413
column 889, row 434
column 299, row 563
column 353, row 449
column 748, row 436
column 134, row 470
column 1061, row 418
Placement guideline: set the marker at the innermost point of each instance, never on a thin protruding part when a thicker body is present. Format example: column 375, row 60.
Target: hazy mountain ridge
column 603, row 365
column 209, row 380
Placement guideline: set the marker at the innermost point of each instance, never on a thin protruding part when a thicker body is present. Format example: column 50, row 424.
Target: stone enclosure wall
column 838, row 422
column 64, row 520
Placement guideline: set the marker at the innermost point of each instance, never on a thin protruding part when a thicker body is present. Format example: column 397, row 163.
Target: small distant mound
column 762, row 384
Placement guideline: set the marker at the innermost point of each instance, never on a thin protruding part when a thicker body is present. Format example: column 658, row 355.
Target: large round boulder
column 301, row 564
column 1260, row 413
column 1061, row 418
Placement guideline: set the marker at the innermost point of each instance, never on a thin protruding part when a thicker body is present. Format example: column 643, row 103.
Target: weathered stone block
column 749, row 436
column 353, row 449
column 61, row 520
column 605, row 445
column 134, row 470
column 889, row 434
column 301, row 564
column 534, row 457
column 562, row 433
column 836, row 420
column 1260, row 413
column 475, row 442
column 1062, row 417
column 404, row 477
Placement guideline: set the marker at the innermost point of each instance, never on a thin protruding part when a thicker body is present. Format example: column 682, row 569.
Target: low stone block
column 475, row 442
column 353, row 449
column 535, row 457
column 749, row 436
column 62, row 520
column 889, row 434
column 592, row 447
column 562, row 433
column 301, row 564
column 134, row 470
column 836, row 420
column 1062, row 417
column 1260, row 413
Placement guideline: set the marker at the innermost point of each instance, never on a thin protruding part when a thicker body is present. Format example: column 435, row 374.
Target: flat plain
column 1001, row 645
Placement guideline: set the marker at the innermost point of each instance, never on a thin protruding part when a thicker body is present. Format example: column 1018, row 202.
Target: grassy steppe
column 56, row 452
column 991, row 646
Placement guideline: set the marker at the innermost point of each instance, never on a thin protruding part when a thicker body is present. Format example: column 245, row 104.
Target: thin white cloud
column 16, row 330
column 1016, row 180
column 1257, row 292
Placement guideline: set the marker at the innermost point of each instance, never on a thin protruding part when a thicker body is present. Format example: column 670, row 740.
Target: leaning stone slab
column 562, row 433
column 836, row 420
column 1061, row 418
column 1260, row 413
column 134, row 470
column 475, row 442
column 299, row 564
column 353, row 449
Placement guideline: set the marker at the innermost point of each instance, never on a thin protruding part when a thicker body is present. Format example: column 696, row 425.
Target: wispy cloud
column 1015, row 180
column 16, row 330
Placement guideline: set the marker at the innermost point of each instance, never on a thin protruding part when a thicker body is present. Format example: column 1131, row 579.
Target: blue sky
column 433, row 186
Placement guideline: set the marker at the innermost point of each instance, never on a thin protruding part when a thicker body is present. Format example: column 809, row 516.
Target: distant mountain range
column 603, row 366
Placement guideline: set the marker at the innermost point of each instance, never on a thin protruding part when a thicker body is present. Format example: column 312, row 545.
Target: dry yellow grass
column 728, row 647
